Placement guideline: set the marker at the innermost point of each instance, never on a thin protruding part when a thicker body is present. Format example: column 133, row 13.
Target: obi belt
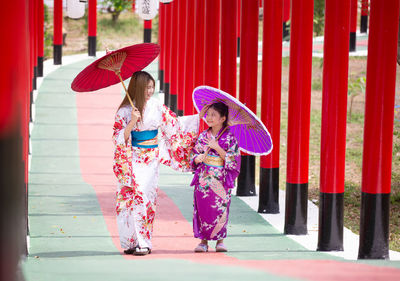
column 213, row 161
column 145, row 139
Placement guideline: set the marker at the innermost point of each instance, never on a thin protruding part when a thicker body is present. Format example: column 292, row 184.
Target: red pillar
column 301, row 36
column 167, row 52
column 378, row 130
column 58, row 36
column 31, row 55
column 271, row 104
column 181, row 58
column 212, row 25
column 40, row 33
column 147, row 31
column 189, row 65
column 353, row 25
column 92, row 27
column 286, row 17
column 199, row 46
column 174, row 57
column 364, row 16
column 15, row 85
column 228, row 46
column 238, row 24
column 333, row 127
column 35, row 42
column 248, row 86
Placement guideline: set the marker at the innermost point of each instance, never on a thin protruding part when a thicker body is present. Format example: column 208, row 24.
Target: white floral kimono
column 137, row 168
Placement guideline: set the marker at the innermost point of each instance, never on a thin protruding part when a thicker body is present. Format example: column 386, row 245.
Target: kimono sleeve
column 232, row 161
column 178, row 137
column 122, row 150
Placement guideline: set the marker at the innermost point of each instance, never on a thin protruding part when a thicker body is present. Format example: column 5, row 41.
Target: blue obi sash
column 144, row 139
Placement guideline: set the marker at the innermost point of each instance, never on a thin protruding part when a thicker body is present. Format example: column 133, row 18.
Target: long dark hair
column 222, row 109
column 136, row 89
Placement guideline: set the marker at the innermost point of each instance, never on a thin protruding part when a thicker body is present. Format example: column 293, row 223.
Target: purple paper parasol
column 252, row 135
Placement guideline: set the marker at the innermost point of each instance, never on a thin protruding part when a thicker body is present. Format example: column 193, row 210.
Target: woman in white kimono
column 139, row 149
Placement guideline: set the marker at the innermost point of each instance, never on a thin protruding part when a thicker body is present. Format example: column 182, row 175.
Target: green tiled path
column 71, row 193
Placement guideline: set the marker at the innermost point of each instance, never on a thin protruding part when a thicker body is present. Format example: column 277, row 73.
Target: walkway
column 73, row 234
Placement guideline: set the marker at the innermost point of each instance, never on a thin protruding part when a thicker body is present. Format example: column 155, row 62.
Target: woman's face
column 214, row 119
column 149, row 91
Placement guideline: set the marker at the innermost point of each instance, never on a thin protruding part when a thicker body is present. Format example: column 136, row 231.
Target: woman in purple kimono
column 216, row 162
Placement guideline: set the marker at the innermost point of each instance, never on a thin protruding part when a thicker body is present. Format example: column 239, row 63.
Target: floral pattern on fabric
column 212, row 187
column 137, row 168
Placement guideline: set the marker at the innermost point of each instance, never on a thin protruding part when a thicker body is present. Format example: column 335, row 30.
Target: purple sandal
column 221, row 248
column 201, row 248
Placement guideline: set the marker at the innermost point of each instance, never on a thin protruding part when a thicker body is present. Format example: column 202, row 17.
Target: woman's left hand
column 212, row 143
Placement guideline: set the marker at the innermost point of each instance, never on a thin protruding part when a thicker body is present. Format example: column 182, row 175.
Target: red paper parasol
column 115, row 67
column 252, row 135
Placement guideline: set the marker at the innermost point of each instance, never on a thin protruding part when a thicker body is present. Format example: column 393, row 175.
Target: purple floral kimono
column 212, row 186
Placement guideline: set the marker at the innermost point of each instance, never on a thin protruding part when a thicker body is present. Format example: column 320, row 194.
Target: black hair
column 222, row 109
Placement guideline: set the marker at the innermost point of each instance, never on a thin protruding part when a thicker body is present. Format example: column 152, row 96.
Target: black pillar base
column 246, row 180
column 147, row 35
column 161, row 78
column 374, row 226
column 285, row 31
column 34, row 82
column 92, row 45
column 238, row 47
column 180, row 112
column 364, row 24
column 296, row 208
column 330, row 228
column 173, row 101
column 30, row 106
column 352, row 47
column 167, row 95
column 57, row 54
column 269, row 191
column 40, row 67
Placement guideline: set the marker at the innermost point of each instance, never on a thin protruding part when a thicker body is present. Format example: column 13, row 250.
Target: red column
column 35, row 42
column 228, row 46
column 58, row 36
column 147, row 31
column 15, row 83
column 271, row 104
column 92, row 27
column 301, row 36
column 286, row 17
column 333, row 127
column 189, row 65
column 238, row 24
column 31, row 55
column 353, row 25
column 248, row 86
column 161, row 29
column 40, row 33
column 212, row 25
column 199, row 46
column 167, row 53
column 364, row 16
column 378, row 130
column 181, row 58
column 174, row 57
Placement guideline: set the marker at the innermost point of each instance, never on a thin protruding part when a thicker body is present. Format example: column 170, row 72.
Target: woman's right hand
column 199, row 159
column 135, row 116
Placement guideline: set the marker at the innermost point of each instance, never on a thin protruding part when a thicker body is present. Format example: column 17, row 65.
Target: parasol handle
column 126, row 91
column 208, row 149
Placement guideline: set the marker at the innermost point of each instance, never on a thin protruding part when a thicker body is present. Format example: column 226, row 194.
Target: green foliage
column 48, row 37
column 355, row 87
column 116, row 7
column 319, row 17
